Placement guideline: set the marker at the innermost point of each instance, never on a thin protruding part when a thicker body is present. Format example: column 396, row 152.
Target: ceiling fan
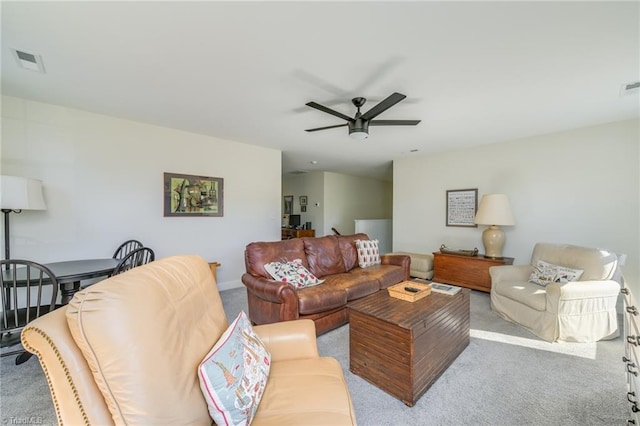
column 359, row 124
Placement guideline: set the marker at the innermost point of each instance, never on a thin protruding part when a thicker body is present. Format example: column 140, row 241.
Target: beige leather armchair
column 126, row 351
column 576, row 311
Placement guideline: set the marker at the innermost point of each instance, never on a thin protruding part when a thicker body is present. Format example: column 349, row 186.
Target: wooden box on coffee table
column 399, row 291
column 403, row 347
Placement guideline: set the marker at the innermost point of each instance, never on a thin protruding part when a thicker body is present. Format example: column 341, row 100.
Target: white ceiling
column 473, row 72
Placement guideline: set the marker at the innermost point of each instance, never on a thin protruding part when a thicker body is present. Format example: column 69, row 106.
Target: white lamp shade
column 19, row 193
column 494, row 209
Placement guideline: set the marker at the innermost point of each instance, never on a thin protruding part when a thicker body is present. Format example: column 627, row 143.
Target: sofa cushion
column 368, row 253
column 292, row 273
column 320, row 298
column 258, row 254
column 233, row 375
column 326, row 401
column 323, row 255
column 598, row 264
column 529, row 294
column 545, row 273
column 348, row 249
column 385, row 275
column 354, row 285
column 143, row 352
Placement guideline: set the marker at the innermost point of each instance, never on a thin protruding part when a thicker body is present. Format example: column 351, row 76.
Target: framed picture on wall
column 288, row 204
column 303, row 200
column 190, row 195
column 462, row 205
column 303, row 209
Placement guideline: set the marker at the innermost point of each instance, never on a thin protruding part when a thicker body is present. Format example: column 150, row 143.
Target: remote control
column 412, row 289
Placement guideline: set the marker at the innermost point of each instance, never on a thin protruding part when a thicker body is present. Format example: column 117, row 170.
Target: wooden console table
column 214, row 266
column 288, row 233
column 465, row 271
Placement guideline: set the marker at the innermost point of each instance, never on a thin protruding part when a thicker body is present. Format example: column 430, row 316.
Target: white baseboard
column 228, row 285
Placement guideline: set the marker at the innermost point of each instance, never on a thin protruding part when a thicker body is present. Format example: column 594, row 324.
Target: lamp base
column 493, row 241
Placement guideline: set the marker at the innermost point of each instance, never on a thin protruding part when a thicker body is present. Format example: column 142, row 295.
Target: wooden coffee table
column 403, row 347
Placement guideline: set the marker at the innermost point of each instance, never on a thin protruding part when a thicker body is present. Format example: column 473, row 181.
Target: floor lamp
column 17, row 194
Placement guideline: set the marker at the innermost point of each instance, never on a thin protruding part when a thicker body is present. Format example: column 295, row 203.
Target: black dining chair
column 29, row 290
column 137, row 257
column 126, row 248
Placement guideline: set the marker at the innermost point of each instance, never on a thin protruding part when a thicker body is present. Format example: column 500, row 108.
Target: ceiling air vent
column 297, row 172
column 630, row 88
column 28, row 61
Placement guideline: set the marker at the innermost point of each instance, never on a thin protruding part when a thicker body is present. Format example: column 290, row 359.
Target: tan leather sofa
column 332, row 258
column 575, row 311
column 126, row 351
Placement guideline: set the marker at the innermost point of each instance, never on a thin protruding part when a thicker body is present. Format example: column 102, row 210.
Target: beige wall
column 340, row 199
column 579, row 187
column 311, row 185
column 103, row 184
column 348, row 198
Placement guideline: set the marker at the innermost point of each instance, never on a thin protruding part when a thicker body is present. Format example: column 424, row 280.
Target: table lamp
column 17, row 194
column 495, row 211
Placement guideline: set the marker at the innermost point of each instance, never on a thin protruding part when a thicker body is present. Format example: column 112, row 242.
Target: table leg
column 67, row 290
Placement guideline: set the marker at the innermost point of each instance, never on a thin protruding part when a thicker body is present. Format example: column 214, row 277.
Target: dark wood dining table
column 69, row 273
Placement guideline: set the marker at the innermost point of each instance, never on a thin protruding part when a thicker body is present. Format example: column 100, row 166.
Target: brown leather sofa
column 333, row 258
column 126, row 351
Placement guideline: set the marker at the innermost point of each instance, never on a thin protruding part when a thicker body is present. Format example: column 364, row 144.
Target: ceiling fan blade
column 394, row 122
column 327, row 127
column 384, row 105
column 329, row 111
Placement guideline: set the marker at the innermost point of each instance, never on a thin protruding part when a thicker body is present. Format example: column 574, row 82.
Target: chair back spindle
column 137, row 257
column 126, row 248
column 24, row 299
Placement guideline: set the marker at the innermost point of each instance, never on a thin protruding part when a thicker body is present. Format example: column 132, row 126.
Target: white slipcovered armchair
column 574, row 311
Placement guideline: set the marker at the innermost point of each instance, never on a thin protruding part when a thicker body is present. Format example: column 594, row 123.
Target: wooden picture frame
column 303, row 209
column 288, row 204
column 462, row 205
column 191, row 195
column 303, row 200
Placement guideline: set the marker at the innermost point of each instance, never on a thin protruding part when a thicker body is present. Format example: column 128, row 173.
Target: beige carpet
column 506, row 376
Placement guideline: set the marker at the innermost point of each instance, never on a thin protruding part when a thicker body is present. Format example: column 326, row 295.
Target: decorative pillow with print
column 234, row 373
column 293, row 273
column 545, row 273
column 565, row 274
column 368, row 253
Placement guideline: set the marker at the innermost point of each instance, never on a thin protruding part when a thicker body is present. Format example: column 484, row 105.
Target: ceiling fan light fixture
column 359, row 129
column 359, row 135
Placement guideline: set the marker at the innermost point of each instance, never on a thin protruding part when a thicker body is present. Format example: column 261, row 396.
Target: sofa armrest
column 583, row 289
column 402, row 260
column 77, row 398
column 289, row 340
column 270, row 290
column 269, row 300
column 511, row 273
column 574, row 297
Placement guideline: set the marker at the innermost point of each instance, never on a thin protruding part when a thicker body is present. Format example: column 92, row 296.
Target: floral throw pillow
column 293, row 273
column 368, row 253
column 545, row 273
column 234, row 373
